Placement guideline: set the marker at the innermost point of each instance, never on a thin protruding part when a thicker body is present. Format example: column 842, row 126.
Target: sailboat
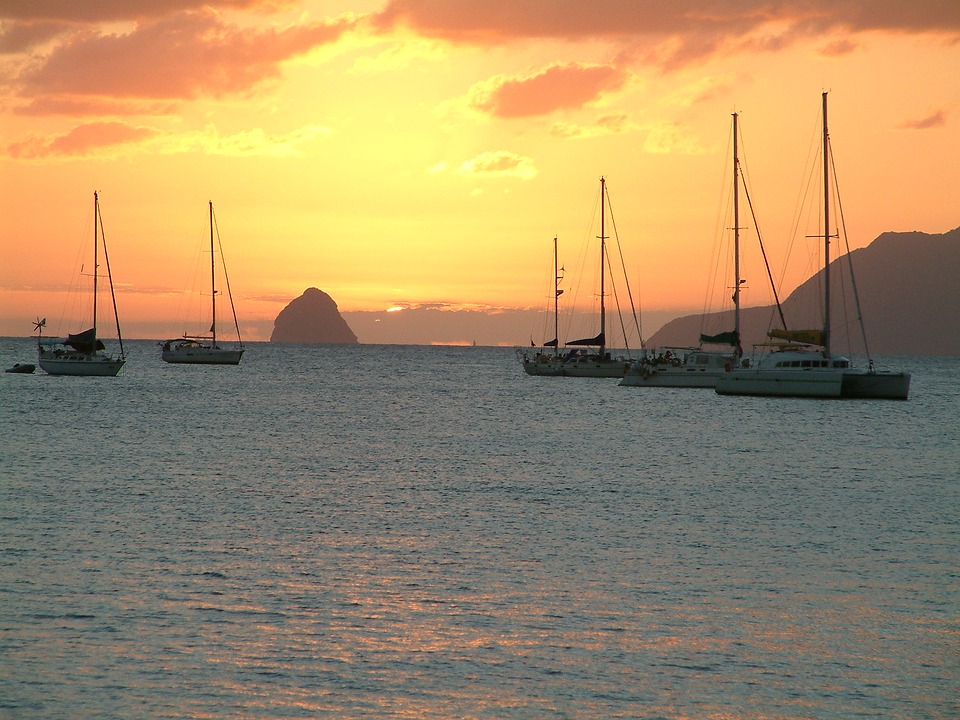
column 543, row 362
column 205, row 349
column 84, row 353
column 697, row 367
column 576, row 362
column 803, row 364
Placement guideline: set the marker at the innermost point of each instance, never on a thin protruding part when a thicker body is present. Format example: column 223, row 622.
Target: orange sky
column 398, row 152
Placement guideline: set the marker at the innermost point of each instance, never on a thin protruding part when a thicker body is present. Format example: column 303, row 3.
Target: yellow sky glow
column 403, row 152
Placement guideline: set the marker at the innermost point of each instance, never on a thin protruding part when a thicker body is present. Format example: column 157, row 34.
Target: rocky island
column 313, row 318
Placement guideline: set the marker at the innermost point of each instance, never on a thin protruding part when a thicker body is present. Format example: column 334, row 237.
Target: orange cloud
column 82, row 140
column 180, row 56
column 112, row 10
column 838, row 48
column 937, row 119
column 559, row 87
column 499, row 163
column 692, row 27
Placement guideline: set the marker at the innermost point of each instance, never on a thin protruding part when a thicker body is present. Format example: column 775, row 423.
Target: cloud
column 119, row 10
column 107, row 138
column 179, row 56
column 613, row 124
column 499, row 163
column 83, row 140
column 669, row 34
column 671, row 138
column 843, row 46
column 17, row 37
column 248, row 143
column 937, row 119
column 558, row 87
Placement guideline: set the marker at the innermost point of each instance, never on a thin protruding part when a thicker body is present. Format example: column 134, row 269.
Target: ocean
column 426, row 532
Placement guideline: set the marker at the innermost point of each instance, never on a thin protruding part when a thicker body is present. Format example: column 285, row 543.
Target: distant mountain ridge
column 909, row 296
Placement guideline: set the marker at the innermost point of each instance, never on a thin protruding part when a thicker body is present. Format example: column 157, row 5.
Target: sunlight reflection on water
column 426, row 532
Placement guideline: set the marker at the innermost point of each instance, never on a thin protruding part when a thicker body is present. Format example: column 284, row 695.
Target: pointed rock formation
column 312, row 318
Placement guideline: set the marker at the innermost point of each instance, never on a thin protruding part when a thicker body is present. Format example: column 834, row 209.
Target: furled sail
column 809, row 337
column 596, row 341
column 730, row 337
column 551, row 343
column 85, row 342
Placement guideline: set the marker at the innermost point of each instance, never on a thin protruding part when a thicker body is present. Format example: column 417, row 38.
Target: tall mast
column 556, row 301
column 826, row 231
column 736, row 235
column 603, row 254
column 213, row 283
column 96, row 220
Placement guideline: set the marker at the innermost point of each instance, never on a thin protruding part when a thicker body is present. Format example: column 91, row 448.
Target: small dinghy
column 21, row 368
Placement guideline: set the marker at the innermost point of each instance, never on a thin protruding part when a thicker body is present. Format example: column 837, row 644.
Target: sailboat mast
column 96, row 221
column 213, row 284
column 736, row 235
column 556, row 301
column 826, row 231
column 603, row 254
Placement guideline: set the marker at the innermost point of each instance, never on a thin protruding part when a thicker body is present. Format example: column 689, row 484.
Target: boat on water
column 586, row 357
column 689, row 367
column 205, row 349
column 802, row 363
column 84, row 353
column 21, row 368
column 544, row 362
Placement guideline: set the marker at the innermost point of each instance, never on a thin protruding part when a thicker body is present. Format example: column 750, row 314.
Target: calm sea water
column 417, row 532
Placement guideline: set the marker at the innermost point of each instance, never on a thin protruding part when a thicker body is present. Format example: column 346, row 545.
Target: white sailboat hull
column 199, row 355
column 591, row 367
column 699, row 369
column 79, row 364
column 673, row 378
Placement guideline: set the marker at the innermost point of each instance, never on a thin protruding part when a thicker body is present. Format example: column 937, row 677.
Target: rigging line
column 812, row 162
column 574, row 320
column 626, row 278
column 846, row 241
column 616, row 299
column 226, row 277
column 113, row 295
column 763, row 251
column 719, row 232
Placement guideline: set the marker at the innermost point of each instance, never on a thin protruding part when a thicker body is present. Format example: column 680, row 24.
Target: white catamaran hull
column 823, row 383
column 875, row 384
column 848, row 383
column 80, row 364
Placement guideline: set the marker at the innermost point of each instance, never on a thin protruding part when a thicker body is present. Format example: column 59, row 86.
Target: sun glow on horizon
column 379, row 149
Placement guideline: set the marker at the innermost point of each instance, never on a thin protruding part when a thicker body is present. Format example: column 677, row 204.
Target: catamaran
column 205, row 349
column 803, row 363
column 84, row 353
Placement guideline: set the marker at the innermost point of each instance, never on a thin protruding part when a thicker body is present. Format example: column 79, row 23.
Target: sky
column 410, row 153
